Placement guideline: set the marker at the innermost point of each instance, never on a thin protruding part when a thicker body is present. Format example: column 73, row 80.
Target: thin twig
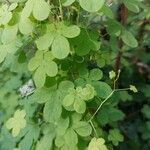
column 103, row 102
column 118, row 74
column 61, row 10
column 122, row 19
column 102, row 105
column 125, row 89
column 93, row 128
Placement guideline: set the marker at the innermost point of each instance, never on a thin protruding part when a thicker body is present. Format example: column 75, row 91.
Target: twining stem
column 93, row 128
column 101, row 105
column 104, row 101
column 116, row 79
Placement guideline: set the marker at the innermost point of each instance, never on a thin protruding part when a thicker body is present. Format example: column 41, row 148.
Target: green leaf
column 65, row 86
column 68, row 100
column 115, row 136
column 83, row 44
column 26, row 26
column 79, row 106
column 82, row 128
column 107, row 11
column 3, row 53
column 10, row 48
column 51, row 68
column 109, row 114
column 92, row 5
column 5, row 13
column 83, row 71
column 96, row 74
column 113, row 28
column 71, row 137
column 27, row 139
column 35, row 61
column 53, row 109
column 67, row 2
column 97, row 144
column 39, row 77
column 145, row 129
column 17, row 122
column 32, row 134
column 102, row 89
column 41, row 10
column 45, row 142
column 6, row 18
column 59, row 141
column 94, row 37
column 60, row 47
column 45, row 41
column 9, row 34
column 69, row 31
column 146, row 111
column 27, row 9
column 146, row 90
column 124, row 96
column 76, row 117
column 86, row 93
column 45, row 65
column 101, row 62
column 132, row 5
column 62, row 126
column 129, row 39
column 12, row 6
column 41, row 95
column 48, row 56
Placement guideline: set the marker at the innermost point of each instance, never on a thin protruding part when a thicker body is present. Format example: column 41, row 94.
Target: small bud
column 112, row 74
column 133, row 88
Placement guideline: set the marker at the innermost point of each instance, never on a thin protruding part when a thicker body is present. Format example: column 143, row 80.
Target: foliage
column 115, row 136
column 67, row 74
column 16, row 125
column 97, row 144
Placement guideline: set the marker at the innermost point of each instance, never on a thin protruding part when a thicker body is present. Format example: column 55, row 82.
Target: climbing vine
column 60, row 66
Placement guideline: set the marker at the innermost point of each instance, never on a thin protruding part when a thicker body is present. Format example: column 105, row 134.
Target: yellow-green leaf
column 41, row 10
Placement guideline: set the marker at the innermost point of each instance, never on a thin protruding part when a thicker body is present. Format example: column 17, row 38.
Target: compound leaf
column 60, row 47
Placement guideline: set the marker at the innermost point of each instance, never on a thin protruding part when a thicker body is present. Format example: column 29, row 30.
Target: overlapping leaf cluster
column 57, row 90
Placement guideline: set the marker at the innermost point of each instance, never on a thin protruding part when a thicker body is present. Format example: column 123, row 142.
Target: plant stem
column 102, row 105
column 125, row 89
column 61, row 10
column 122, row 17
column 93, row 128
column 118, row 74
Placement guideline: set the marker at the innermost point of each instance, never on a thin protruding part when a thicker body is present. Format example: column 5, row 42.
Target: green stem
column 118, row 74
column 102, row 105
column 93, row 128
column 125, row 89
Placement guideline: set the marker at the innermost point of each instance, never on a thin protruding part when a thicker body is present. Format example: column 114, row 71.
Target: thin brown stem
column 122, row 17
